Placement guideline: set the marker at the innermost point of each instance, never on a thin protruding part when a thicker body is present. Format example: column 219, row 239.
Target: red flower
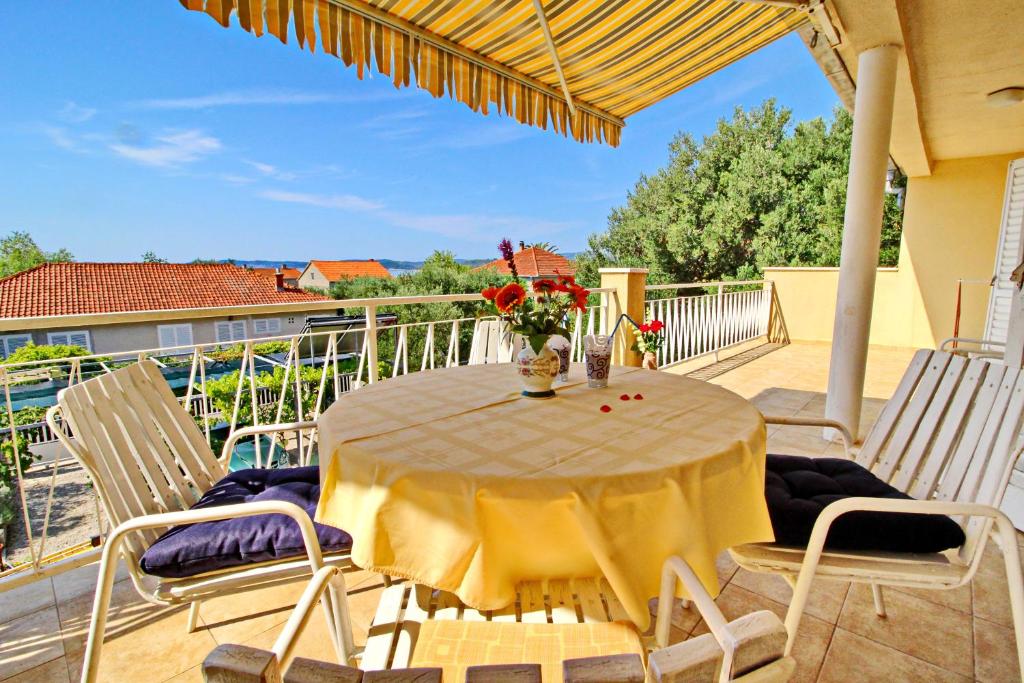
column 510, row 296
column 490, row 293
column 580, row 294
column 657, row 326
column 644, row 328
column 565, row 279
column 545, row 286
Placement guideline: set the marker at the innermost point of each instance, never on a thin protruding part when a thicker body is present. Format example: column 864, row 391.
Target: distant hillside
column 391, row 264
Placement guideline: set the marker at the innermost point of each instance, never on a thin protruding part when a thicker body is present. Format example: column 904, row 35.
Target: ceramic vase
column 537, row 371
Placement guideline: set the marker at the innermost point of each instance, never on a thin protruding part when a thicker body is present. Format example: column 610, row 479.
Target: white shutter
column 175, row 335
column 13, row 342
column 238, row 330
column 1009, row 254
column 259, row 326
column 75, row 338
column 266, row 326
column 224, row 331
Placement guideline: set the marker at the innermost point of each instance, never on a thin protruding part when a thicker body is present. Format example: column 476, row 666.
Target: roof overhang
column 579, row 67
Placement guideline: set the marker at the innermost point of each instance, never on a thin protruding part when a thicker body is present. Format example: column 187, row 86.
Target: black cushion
column 798, row 489
column 192, row 549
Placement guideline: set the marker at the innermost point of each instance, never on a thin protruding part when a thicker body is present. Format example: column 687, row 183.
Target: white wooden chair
column 492, row 343
column 149, row 463
column 747, row 649
column 949, row 437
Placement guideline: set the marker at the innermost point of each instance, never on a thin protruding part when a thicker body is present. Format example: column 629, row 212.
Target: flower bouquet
column 537, row 318
column 648, row 341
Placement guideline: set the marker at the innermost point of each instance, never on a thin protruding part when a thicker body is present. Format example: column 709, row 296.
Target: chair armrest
column 946, row 343
column 799, row 421
column 239, row 434
column 676, row 569
column 108, row 563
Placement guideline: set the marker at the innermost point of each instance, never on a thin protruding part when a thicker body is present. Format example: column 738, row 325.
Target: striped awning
column 520, row 57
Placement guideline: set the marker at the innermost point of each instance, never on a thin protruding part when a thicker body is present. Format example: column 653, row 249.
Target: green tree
column 440, row 274
column 151, row 257
column 18, row 252
column 757, row 192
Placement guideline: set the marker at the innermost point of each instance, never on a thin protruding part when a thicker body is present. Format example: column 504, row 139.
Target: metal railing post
column 718, row 320
column 371, row 342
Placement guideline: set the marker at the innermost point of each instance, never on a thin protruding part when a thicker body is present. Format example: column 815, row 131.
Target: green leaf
column 537, row 342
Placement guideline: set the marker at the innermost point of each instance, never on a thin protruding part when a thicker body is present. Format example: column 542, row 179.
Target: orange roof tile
column 534, row 262
column 340, row 270
column 289, row 273
column 81, row 288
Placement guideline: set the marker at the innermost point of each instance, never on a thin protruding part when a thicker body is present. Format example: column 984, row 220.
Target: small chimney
column 522, row 245
column 279, row 279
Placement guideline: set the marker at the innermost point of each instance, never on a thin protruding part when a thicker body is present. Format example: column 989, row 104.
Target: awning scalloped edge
column 360, row 34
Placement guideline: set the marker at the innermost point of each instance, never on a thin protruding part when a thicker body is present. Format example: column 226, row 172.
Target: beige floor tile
column 82, row 580
column 825, row 601
column 989, row 588
column 29, row 641
column 193, row 675
column 313, row 643
column 855, row 658
column 812, row 640
column 53, row 671
column 954, row 598
column 26, row 599
column 995, row 653
column 914, row 626
column 239, row 617
column 683, row 620
column 726, row 567
column 143, row 642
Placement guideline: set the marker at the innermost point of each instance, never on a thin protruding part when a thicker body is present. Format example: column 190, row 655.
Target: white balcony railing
column 700, row 324
column 282, row 378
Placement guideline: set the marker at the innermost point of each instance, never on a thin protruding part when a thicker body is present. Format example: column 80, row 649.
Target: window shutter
column 183, row 335
column 57, row 339
column 1008, row 255
column 167, row 336
column 259, row 326
column 80, row 339
column 237, row 330
column 223, row 331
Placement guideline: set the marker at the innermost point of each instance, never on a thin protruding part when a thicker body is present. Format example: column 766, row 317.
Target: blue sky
column 134, row 126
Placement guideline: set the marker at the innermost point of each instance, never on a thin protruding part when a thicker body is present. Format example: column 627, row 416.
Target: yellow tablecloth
column 450, row 479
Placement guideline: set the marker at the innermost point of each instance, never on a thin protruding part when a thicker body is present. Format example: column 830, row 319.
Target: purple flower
column 507, row 253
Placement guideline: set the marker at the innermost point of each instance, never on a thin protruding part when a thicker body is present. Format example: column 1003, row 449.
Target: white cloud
column 332, row 201
column 271, row 171
column 171, row 149
column 478, row 227
column 60, row 137
column 72, row 112
column 242, row 98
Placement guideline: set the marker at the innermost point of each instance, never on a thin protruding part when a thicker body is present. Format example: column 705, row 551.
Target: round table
column 451, row 479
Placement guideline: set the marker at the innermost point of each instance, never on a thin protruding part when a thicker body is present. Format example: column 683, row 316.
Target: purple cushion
column 798, row 489
column 193, row 549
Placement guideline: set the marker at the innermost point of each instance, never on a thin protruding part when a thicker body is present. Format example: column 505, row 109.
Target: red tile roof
column 289, row 273
column 534, row 262
column 340, row 270
column 82, row 288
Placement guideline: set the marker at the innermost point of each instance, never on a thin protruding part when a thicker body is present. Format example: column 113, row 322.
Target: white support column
column 862, row 231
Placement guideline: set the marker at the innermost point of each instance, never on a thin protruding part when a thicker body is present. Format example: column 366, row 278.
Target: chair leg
column 876, row 593
column 193, row 616
column 1007, row 537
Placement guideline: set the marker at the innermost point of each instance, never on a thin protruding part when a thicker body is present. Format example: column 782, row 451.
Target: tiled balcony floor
column 956, row 635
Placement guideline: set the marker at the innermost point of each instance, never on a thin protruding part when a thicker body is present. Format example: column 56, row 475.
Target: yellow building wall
column 950, row 232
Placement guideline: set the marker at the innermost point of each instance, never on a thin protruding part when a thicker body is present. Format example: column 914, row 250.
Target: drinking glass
column 598, row 355
column 560, row 345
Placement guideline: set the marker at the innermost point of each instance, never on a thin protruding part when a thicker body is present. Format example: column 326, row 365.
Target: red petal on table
column 639, row 397
column 624, row 397
column 606, row 409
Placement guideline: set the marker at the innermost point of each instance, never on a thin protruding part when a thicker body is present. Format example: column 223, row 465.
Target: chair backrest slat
column 890, row 414
column 984, row 454
column 896, row 454
column 141, row 448
column 949, row 430
column 924, row 441
column 177, row 426
column 984, row 399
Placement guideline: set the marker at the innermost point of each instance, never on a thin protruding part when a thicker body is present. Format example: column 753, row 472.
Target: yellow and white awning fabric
column 616, row 56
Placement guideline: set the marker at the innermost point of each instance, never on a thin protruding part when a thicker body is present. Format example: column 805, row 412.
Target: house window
column 175, row 335
column 261, row 327
column 231, row 330
column 12, row 342
column 75, row 338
